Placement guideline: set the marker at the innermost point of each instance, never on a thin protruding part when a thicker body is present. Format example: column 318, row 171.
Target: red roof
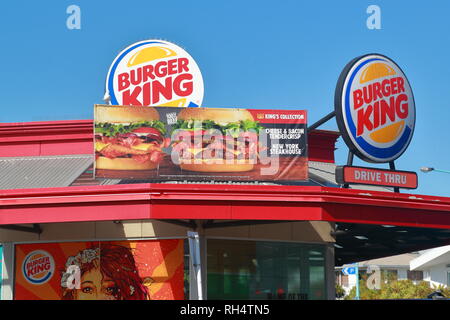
column 151, row 201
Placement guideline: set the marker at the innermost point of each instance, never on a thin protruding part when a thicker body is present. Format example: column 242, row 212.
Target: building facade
column 256, row 240
column 390, row 269
column 435, row 266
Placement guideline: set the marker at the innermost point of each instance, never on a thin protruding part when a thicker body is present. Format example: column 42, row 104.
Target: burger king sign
column 156, row 73
column 375, row 108
column 38, row 267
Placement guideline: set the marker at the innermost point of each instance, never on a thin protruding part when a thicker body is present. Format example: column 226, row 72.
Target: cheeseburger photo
column 215, row 140
column 128, row 138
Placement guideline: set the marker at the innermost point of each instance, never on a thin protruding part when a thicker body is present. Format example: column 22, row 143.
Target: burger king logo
column 38, row 267
column 375, row 108
column 156, row 73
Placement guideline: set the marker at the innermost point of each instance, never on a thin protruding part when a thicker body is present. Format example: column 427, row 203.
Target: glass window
column 265, row 270
column 344, row 281
column 416, row 275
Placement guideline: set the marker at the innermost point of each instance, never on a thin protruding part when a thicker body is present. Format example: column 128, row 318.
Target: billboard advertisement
column 106, row 270
column 207, row 144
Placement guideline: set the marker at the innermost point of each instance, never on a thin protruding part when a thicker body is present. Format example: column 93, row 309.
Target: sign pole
column 357, row 281
column 349, row 163
column 195, row 263
column 318, row 123
column 392, row 167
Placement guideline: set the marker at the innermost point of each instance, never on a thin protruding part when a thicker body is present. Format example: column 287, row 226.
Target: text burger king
column 375, row 108
column 154, row 73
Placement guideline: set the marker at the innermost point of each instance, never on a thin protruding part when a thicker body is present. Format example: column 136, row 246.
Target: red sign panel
column 378, row 177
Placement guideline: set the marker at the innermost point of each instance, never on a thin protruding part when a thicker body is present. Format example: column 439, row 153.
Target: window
column 341, row 279
column 448, row 278
column 265, row 270
column 344, row 280
column 415, row 275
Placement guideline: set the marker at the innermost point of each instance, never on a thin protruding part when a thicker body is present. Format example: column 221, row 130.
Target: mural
column 113, row 270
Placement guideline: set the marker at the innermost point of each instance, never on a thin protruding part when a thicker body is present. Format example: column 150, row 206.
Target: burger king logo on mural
column 375, row 108
column 38, row 267
column 156, row 73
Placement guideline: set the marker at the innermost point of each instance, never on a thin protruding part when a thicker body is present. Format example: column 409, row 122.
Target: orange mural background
column 158, row 268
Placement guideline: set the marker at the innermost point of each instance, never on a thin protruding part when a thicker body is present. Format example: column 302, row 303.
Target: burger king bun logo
column 154, row 73
column 38, row 267
column 375, row 108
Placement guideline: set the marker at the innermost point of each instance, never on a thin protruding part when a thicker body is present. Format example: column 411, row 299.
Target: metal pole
column 350, row 158
column 322, row 121
column 195, row 261
column 444, row 171
column 349, row 163
column 392, row 167
column 357, row 281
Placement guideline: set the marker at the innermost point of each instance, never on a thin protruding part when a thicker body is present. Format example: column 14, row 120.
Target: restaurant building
column 256, row 240
column 156, row 198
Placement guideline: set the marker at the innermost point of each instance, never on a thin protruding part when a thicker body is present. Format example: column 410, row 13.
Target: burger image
column 215, row 140
column 128, row 138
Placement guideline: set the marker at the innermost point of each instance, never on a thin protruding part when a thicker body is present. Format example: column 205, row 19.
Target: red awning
column 221, row 202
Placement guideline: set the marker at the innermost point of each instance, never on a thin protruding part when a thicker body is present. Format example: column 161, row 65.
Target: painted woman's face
column 95, row 286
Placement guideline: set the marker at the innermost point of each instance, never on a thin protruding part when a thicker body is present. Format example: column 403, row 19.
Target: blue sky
column 253, row 54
